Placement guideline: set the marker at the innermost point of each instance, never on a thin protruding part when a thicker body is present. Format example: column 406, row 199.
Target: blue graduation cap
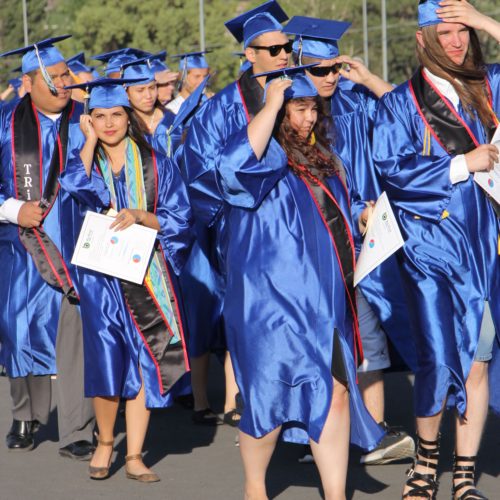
column 40, row 55
column 77, row 64
column 302, row 86
column 316, row 37
column 190, row 104
column 245, row 64
column 106, row 92
column 262, row 19
column 427, row 13
column 16, row 83
column 156, row 62
column 117, row 58
column 138, row 69
column 192, row 60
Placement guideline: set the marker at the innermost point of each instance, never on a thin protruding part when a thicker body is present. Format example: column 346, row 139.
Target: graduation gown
column 284, row 290
column 450, row 261
column 114, row 349
column 29, row 311
column 353, row 111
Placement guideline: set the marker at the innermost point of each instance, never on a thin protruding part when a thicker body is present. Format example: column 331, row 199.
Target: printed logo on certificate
column 122, row 254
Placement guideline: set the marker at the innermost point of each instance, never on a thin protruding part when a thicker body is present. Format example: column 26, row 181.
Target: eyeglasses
column 275, row 50
column 325, row 70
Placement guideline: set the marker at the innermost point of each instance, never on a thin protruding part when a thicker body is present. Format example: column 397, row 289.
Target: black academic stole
column 171, row 361
column 251, row 93
column 442, row 120
column 342, row 241
column 27, row 159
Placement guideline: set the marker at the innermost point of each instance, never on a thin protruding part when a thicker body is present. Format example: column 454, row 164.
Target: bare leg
column 105, row 412
column 137, row 419
column 469, row 431
column 231, row 387
column 331, row 454
column 199, row 381
column 256, row 455
column 371, row 386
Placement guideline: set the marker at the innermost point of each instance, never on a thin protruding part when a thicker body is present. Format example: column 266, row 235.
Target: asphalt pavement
column 196, row 462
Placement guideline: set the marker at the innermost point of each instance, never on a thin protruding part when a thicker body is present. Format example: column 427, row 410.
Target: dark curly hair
column 312, row 152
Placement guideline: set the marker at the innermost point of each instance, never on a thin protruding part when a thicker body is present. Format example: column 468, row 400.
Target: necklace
column 152, row 120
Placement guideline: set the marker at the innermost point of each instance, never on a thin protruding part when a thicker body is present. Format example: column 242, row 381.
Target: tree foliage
column 103, row 25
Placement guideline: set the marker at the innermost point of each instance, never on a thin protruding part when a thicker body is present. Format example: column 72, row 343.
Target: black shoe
column 79, row 450
column 35, row 426
column 20, row 436
column 206, row 417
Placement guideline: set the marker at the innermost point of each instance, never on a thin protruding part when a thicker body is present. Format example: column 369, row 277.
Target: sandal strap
column 466, row 472
column 471, row 494
column 427, row 490
column 137, row 456
column 103, row 443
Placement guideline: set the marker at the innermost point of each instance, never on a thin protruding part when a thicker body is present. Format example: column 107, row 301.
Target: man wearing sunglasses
column 381, row 308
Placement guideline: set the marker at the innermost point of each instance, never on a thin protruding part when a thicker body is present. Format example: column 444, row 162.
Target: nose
column 108, row 121
column 456, row 41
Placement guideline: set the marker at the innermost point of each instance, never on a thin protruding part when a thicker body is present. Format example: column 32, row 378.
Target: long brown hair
column 468, row 79
column 315, row 152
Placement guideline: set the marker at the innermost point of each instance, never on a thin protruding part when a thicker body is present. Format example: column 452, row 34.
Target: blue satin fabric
column 113, row 348
column 159, row 140
column 30, row 307
column 450, row 266
column 353, row 112
column 284, row 292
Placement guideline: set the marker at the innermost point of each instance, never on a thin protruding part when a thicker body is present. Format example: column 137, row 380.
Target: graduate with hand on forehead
column 432, row 134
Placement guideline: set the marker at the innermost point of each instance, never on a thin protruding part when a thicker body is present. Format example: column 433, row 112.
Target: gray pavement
column 202, row 463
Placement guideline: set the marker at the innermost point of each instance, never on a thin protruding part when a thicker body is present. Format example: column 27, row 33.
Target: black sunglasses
column 325, row 70
column 274, row 50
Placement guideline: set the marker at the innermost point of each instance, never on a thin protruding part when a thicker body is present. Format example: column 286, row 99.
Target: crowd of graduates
column 261, row 195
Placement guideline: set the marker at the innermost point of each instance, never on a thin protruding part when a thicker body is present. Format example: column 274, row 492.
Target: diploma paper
column 382, row 239
column 490, row 181
column 123, row 254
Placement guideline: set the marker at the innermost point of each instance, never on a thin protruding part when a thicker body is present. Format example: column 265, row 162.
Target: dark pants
column 31, row 395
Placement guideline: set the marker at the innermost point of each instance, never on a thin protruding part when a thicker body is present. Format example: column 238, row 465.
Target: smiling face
column 302, row 115
column 41, row 96
column 110, row 125
column 143, row 97
column 454, row 38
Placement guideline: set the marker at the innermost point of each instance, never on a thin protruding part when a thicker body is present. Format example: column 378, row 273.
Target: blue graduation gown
column 284, row 291
column 30, row 307
column 113, row 348
column 353, row 111
column 450, row 262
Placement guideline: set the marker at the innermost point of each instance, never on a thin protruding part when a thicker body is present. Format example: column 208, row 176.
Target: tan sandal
column 99, row 473
column 148, row 477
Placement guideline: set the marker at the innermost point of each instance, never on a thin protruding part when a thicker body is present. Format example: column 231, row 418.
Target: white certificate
column 382, row 239
column 124, row 254
column 490, row 181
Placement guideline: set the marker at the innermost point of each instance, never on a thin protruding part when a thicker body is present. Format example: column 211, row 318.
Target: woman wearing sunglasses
column 289, row 309
column 133, row 335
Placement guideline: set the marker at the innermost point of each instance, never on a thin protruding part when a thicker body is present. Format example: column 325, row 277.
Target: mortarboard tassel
column 45, row 74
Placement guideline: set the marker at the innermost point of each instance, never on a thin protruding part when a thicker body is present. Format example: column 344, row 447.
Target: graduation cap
column 117, row 58
column 316, row 37
column 302, row 86
column 262, row 19
column 77, row 64
column 156, row 62
column 16, row 83
column 245, row 64
column 138, row 69
column 192, row 60
column 106, row 92
column 427, row 13
column 40, row 55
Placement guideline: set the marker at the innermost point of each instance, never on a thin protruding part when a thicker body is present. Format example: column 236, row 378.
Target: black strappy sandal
column 423, row 485
column 465, row 472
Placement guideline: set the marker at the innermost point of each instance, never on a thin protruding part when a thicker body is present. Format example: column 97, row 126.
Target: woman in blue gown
column 432, row 133
column 133, row 335
column 289, row 308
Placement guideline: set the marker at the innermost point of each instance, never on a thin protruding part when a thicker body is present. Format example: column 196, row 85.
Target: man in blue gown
column 40, row 327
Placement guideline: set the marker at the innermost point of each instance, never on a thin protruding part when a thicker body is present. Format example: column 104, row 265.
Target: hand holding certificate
column 382, row 239
column 124, row 254
column 490, row 181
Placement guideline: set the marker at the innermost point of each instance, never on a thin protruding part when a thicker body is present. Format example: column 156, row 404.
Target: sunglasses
column 275, row 50
column 325, row 70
